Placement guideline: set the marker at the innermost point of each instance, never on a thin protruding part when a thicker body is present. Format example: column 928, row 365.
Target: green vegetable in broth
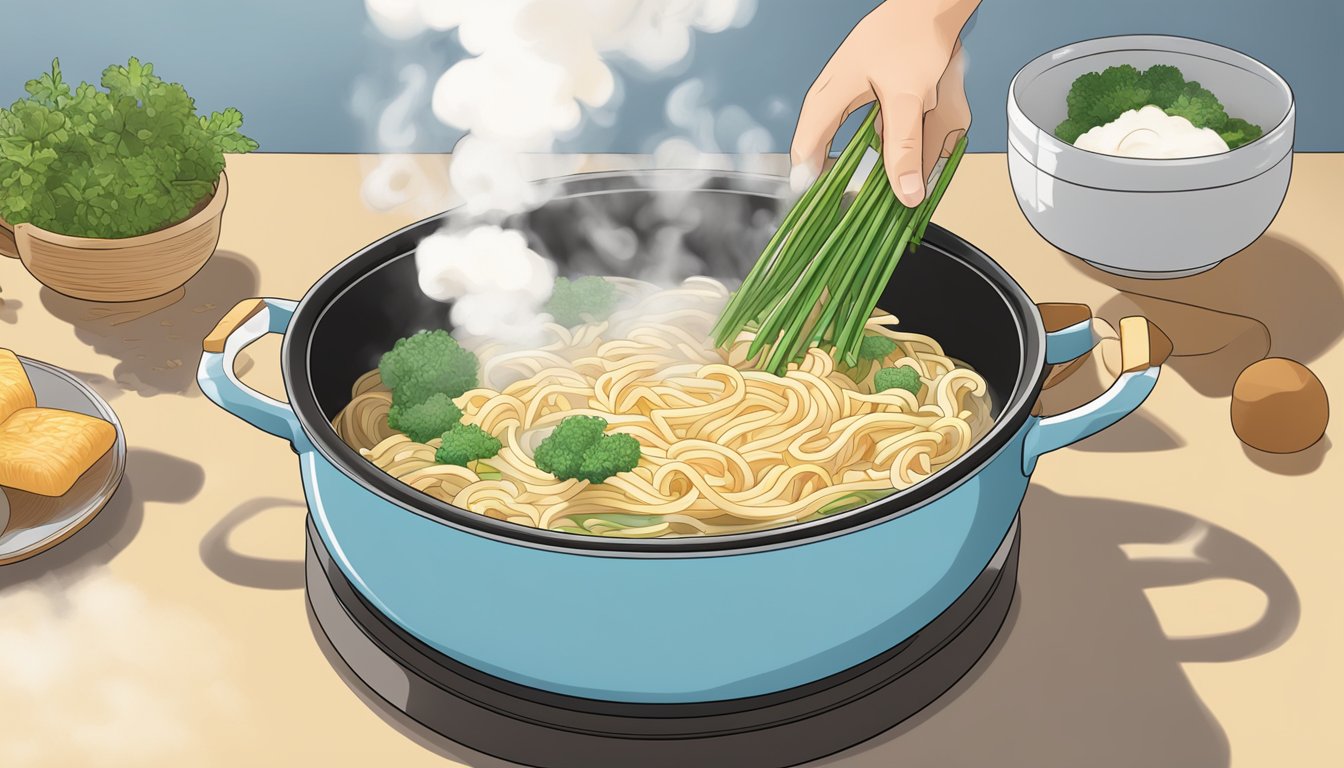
column 425, row 364
column 874, row 347
column 579, row 449
column 465, row 443
column 425, row 420
column 588, row 299
column 904, row 377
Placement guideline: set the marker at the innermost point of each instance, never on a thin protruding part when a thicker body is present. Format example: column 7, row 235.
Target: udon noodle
column 725, row 448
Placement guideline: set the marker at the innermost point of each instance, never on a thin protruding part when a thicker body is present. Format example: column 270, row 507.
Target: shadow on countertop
column 1139, row 432
column 151, row 476
column 9, row 310
column 157, row 342
column 1081, row 674
column 1303, row 462
column 249, row 570
column 1275, row 297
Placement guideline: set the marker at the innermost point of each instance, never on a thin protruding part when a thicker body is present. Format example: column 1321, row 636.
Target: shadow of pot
column 119, row 269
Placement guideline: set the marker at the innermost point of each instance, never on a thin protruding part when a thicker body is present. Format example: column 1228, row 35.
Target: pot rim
column 209, row 211
column 324, row 440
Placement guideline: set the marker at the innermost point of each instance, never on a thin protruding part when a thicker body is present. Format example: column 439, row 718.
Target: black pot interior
column 947, row 289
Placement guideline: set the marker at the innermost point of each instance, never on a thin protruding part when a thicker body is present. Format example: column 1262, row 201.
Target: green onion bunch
column 820, row 277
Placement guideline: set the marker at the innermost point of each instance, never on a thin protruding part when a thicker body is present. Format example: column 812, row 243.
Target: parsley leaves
column 119, row 162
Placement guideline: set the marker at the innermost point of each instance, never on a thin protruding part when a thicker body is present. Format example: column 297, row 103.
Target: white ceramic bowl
column 1140, row 217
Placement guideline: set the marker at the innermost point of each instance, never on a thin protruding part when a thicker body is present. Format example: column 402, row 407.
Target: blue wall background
column 295, row 67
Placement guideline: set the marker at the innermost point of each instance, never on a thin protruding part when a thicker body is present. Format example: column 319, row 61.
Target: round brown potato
column 1279, row 406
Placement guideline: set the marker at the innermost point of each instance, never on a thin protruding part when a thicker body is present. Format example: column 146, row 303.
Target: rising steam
column 534, row 70
column 112, row 678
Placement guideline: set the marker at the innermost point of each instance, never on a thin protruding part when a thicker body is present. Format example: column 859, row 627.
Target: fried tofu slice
column 45, row 450
column 16, row 393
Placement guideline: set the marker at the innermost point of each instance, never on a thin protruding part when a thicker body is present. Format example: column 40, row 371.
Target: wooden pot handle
column 1056, row 316
column 1142, row 344
column 241, row 313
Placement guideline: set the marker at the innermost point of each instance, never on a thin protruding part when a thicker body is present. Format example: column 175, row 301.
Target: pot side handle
column 247, row 322
column 1143, row 349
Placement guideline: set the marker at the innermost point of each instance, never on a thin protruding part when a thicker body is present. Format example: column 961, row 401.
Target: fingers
column 821, row 115
column 942, row 131
column 946, row 123
column 902, row 145
column 827, row 104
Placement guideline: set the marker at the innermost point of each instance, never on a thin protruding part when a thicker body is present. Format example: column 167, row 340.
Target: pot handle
column 1143, row 349
column 1068, row 331
column 248, row 321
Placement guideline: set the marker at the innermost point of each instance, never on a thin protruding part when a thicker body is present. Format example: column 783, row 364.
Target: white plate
column 30, row 523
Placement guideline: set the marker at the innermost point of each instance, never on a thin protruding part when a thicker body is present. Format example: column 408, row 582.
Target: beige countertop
column 1179, row 594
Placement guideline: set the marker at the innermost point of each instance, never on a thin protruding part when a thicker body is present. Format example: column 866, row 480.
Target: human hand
column 907, row 57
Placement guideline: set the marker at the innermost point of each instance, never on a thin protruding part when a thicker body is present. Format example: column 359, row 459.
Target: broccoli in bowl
column 1152, row 113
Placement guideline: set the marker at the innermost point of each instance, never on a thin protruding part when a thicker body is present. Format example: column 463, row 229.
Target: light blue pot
column 673, row 626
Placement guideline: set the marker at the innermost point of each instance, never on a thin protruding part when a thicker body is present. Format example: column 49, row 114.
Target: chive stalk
column 819, row 279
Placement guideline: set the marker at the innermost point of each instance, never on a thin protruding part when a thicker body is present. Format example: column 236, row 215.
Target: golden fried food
column 45, row 450
column 16, row 393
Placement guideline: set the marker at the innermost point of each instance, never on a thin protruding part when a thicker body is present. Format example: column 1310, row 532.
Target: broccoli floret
column 1164, row 83
column 875, row 347
column 575, row 302
column 466, row 443
column 1237, row 132
column 1071, row 129
column 1198, row 105
column 1109, row 106
column 428, row 363
column 579, row 449
column 425, row 420
column 1097, row 98
column 610, row 455
column 905, row 377
column 1086, row 89
column 561, row 453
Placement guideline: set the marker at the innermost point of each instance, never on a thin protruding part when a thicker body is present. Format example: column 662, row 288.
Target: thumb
column 902, row 145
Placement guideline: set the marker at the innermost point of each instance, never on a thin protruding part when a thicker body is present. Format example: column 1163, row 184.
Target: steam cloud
column 95, row 667
column 497, row 284
column 535, row 68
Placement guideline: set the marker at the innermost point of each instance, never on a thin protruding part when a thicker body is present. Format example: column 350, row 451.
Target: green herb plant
column 1097, row 98
column 818, row 280
column 119, row 162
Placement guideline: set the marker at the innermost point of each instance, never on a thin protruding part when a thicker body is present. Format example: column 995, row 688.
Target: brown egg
column 1279, row 406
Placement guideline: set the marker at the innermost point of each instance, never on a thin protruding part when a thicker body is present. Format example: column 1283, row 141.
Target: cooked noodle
column 725, row 448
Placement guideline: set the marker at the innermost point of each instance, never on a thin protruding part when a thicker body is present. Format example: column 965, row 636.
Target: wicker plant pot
column 119, row 269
